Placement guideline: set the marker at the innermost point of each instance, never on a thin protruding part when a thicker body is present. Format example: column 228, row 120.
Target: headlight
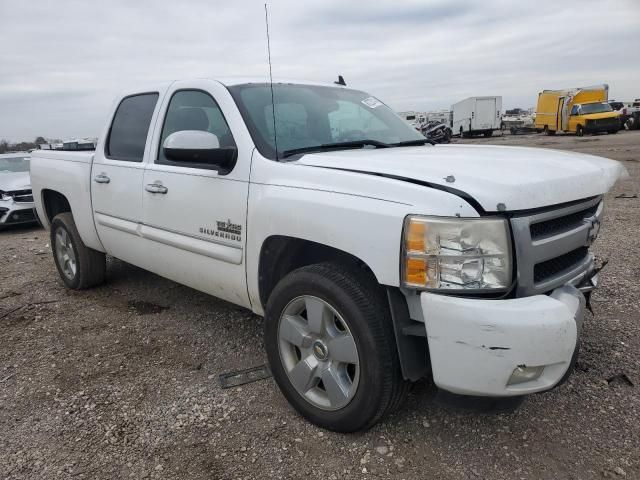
column 456, row 253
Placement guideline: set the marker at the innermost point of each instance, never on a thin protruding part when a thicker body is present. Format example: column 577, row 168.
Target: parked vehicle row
column 376, row 258
column 16, row 200
column 578, row 110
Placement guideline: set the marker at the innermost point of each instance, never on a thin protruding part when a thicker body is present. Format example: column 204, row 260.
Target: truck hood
column 10, row 181
column 598, row 116
column 496, row 177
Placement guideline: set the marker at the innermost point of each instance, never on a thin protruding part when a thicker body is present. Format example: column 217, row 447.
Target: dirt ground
column 121, row 381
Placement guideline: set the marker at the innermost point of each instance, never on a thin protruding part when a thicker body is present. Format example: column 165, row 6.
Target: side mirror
column 199, row 149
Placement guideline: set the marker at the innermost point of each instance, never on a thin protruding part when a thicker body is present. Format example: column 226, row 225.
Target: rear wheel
column 79, row 266
column 331, row 347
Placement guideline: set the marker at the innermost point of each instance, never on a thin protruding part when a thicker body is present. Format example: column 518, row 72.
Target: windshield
column 14, row 164
column 308, row 116
column 587, row 108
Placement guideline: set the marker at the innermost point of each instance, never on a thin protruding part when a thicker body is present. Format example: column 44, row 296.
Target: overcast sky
column 63, row 62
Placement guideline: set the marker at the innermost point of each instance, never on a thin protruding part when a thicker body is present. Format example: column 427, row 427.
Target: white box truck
column 476, row 115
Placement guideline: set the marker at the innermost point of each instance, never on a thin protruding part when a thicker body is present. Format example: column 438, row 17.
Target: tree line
column 6, row 146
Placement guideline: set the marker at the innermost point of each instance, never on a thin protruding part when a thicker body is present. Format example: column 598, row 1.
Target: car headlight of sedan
column 444, row 253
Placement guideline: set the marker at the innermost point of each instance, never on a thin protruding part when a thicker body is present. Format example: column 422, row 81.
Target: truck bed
column 68, row 173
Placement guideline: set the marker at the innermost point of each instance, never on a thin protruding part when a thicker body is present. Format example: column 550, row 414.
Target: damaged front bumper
column 482, row 347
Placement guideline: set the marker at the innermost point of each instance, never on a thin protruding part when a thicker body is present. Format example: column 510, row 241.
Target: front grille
column 551, row 245
column 559, row 265
column 603, row 122
column 558, row 225
column 23, row 198
column 21, row 195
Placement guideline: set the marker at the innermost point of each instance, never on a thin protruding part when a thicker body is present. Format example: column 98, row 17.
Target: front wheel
column 331, row 347
column 79, row 266
column 579, row 131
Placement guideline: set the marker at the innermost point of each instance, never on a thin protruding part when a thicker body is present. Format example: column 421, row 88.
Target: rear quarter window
column 130, row 127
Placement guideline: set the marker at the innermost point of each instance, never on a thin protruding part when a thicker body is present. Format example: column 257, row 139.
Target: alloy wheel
column 318, row 353
column 65, row 254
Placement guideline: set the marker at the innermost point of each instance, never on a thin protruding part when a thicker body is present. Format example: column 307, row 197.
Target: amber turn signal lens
column 416, row 271
column 415, row 236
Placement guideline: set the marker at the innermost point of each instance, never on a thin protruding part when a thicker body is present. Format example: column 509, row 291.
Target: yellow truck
column 578, row 110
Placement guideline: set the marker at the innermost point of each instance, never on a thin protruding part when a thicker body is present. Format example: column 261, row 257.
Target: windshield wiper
column 412, row 143
column 335, row 146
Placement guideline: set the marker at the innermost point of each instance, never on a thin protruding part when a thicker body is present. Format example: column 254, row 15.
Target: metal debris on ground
column 240, row 377
column 142, row 307
column 620, row 378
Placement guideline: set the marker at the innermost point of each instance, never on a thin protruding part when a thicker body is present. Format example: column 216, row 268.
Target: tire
column 374, row 386
column 488, row 134
column 579, row 131
column 79, row 266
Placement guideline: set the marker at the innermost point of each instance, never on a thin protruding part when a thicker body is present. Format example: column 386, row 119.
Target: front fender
column 352, row 215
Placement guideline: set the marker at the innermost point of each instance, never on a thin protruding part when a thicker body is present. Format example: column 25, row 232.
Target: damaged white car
column 16, row 200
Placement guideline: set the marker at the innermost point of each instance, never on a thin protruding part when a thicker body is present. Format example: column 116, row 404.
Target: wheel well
column 280, row 255
column 54, row 203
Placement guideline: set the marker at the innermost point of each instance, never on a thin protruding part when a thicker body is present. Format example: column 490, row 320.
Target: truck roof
column 230, row 81
column 226, row 81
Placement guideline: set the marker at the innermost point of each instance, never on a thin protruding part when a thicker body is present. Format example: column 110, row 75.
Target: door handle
column 102, row 178
column 156, row 188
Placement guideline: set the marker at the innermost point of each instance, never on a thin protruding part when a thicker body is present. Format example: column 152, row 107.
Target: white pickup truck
column 375, row 257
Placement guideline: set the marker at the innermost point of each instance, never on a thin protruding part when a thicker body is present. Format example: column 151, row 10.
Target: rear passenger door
column 194, row 216
column 117, row 174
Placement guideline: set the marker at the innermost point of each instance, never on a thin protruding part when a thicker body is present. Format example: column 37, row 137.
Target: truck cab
column 593, row 117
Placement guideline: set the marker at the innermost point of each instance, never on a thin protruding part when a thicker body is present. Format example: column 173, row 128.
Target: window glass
column 14, row 164
column 309, row 115
column 130, row 127
column 350, row 120
column 574, row 110
column 194, row 110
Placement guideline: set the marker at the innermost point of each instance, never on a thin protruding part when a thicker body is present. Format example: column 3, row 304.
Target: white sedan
column 16, row 199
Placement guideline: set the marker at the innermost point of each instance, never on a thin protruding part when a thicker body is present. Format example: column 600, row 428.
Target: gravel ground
column 121, row 381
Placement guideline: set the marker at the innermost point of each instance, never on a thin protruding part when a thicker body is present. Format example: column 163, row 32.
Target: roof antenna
column 273, row 103
column 341, row 81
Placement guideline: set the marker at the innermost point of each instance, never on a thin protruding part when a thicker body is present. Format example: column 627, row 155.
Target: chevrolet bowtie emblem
column 594, row 229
